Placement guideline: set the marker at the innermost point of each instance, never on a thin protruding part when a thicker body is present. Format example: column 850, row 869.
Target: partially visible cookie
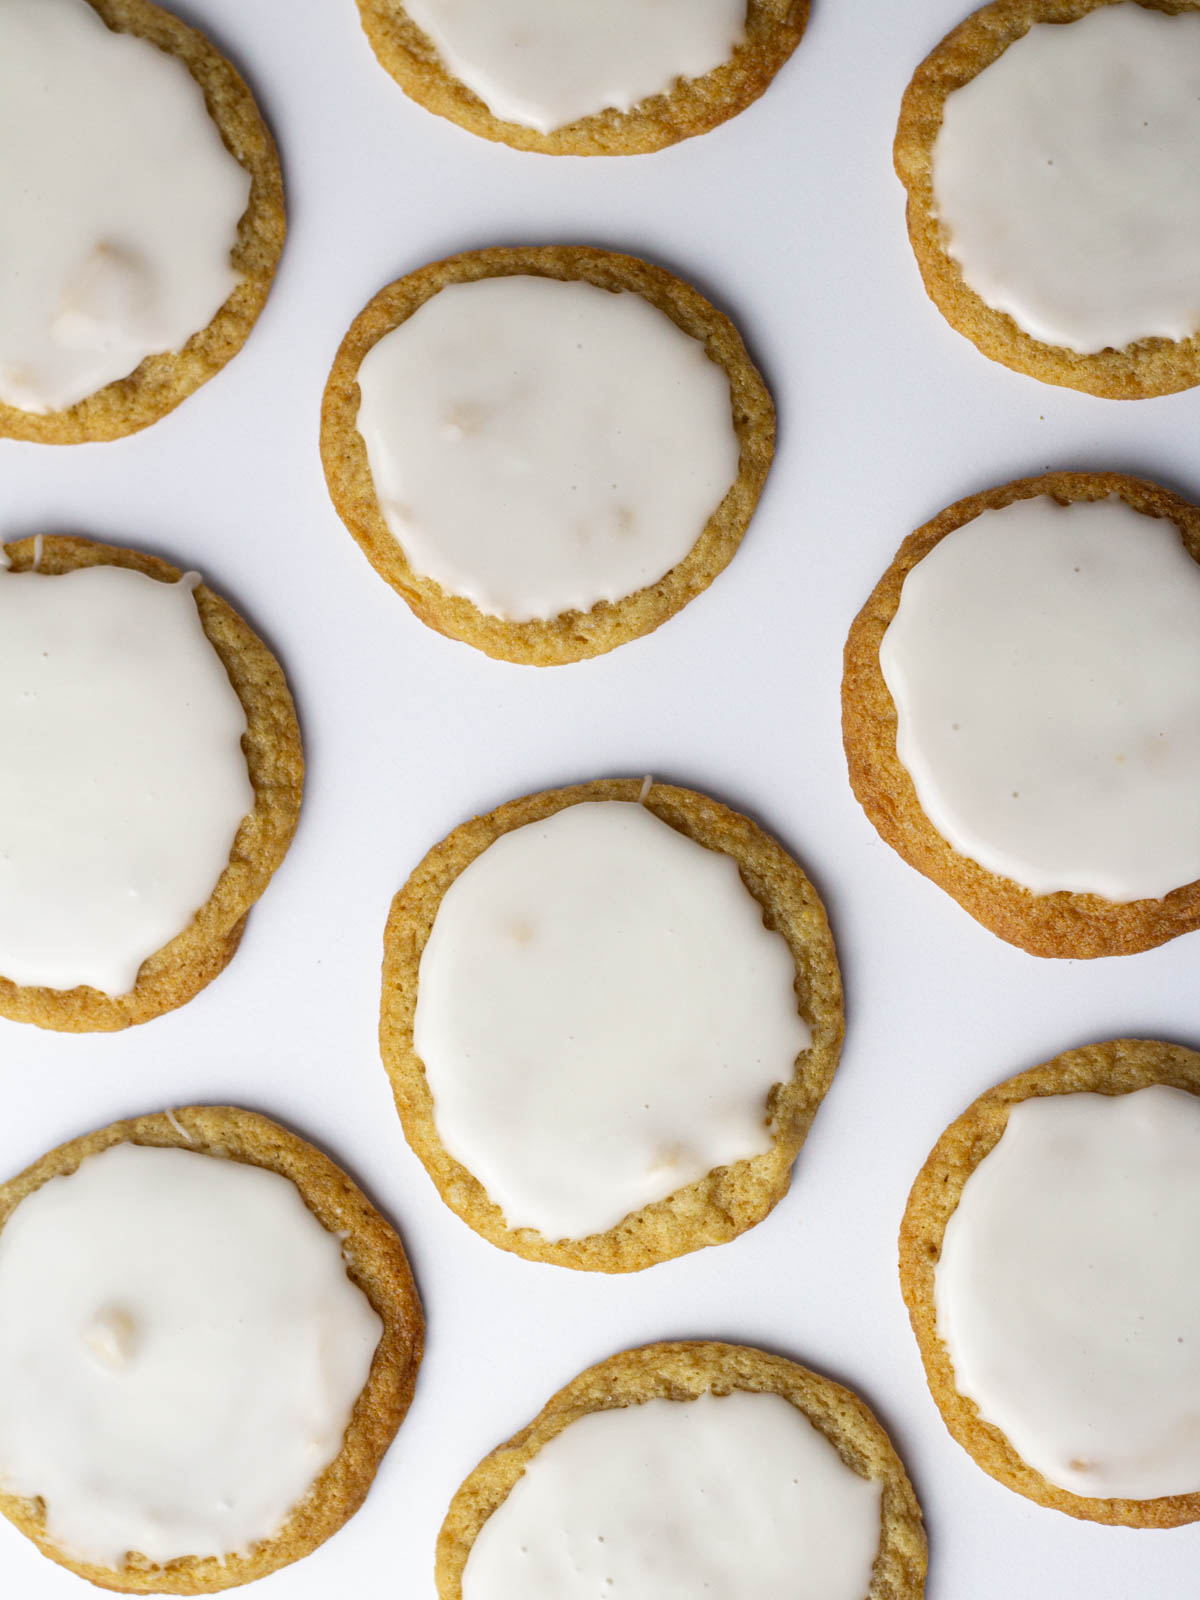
column 578, row 1494
column 1048, row 1262
column 142, row 216
column 546, row 451
column 1020, row 706
column 185, row 1257
column 55, row 791
column 608, row 1025
column 1049, row 148
column 580, row 80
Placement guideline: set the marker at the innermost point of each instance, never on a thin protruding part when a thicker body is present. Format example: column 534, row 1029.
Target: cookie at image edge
column 773, row 30
column 681, row 1372
column 726, row 1201
column 162, row 381
column 275, row 761
column 1148, row 367
column 1116, row 1067
column 572, row 635
column 375, row 1262
column 1076, row 926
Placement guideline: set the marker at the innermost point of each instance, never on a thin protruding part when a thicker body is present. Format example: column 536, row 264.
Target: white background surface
column 790, row 218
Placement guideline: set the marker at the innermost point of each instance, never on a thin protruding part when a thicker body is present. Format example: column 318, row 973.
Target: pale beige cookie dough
column 275, row 762
column 572, row 635
column 161, row 381
column 1147, row 367
column 375, row 1261
column 726, row 1201
column 1061, row 924
column 683, row 1372
column 1119, row 1066
column 773, row 30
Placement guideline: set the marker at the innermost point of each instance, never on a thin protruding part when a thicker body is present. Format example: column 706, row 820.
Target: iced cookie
column 545, row 451
column 1021, row 711
column 678, row 1469
column 208, row 1338
column 568, row 77
column 610, row 1013
column 150, row 786
column 1050, row 1260
column 1049, row 149
column 141, row 216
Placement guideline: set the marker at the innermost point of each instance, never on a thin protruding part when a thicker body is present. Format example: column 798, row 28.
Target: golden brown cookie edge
column 682, row 1371
column 162, row 381
column 1067, row 925
column 1117, row 1066
column 275, row 761
column 573, row 635
column 728, row 1200
column 376, row 1262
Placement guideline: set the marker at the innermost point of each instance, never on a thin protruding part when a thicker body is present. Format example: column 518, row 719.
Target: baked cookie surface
column 1061, row 923
column 688, row 1372
column 374, row 1261
column 1117, row 1068
column 726, row 1200
column 161, row 381
column 573, row 634
column 1124, row 365
column 274, row 759
column 773, row 29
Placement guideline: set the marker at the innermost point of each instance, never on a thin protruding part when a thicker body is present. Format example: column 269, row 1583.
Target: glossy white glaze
column 545, row 63
column 1068, row 1290
column 1045, row 665
column 119, row 204
column 181, row 1350
column 540, row 446
column 601, row 1014
column 1064, row 175
column 721, row 1497
column 123, row 782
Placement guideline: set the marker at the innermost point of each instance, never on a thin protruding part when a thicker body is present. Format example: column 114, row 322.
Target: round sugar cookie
column 849, row 1445
column 190, row 960
column 1070, row 174
column 681, row 1156
column 688, row 94
column 704, row 473
column 111, row 283
column 374, row 1262
column 1086, row 1262
column 1041, row 918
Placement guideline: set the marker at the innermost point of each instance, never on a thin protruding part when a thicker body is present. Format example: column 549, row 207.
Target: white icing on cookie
column 1064, row 175
column 546, row 63
column 668, row 1500
column 539, row 446
column 1068, row 1291
column 123, row 782
column 601, row 1014
column 119, row 204
column 180, row 1352
column 1045, row 665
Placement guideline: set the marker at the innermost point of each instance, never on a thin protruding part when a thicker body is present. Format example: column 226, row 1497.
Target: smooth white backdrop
column 789, row 218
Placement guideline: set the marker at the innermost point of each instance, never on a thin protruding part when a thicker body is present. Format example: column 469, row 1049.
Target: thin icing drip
column 668, row 1500
column 601, row 1014
column 123, row 782
column 1064, row 175
column 1045, row 666
column 1068, row 1291
column 539, row 446
column 119, row 204
column 546, row 63
column 181, row 1350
